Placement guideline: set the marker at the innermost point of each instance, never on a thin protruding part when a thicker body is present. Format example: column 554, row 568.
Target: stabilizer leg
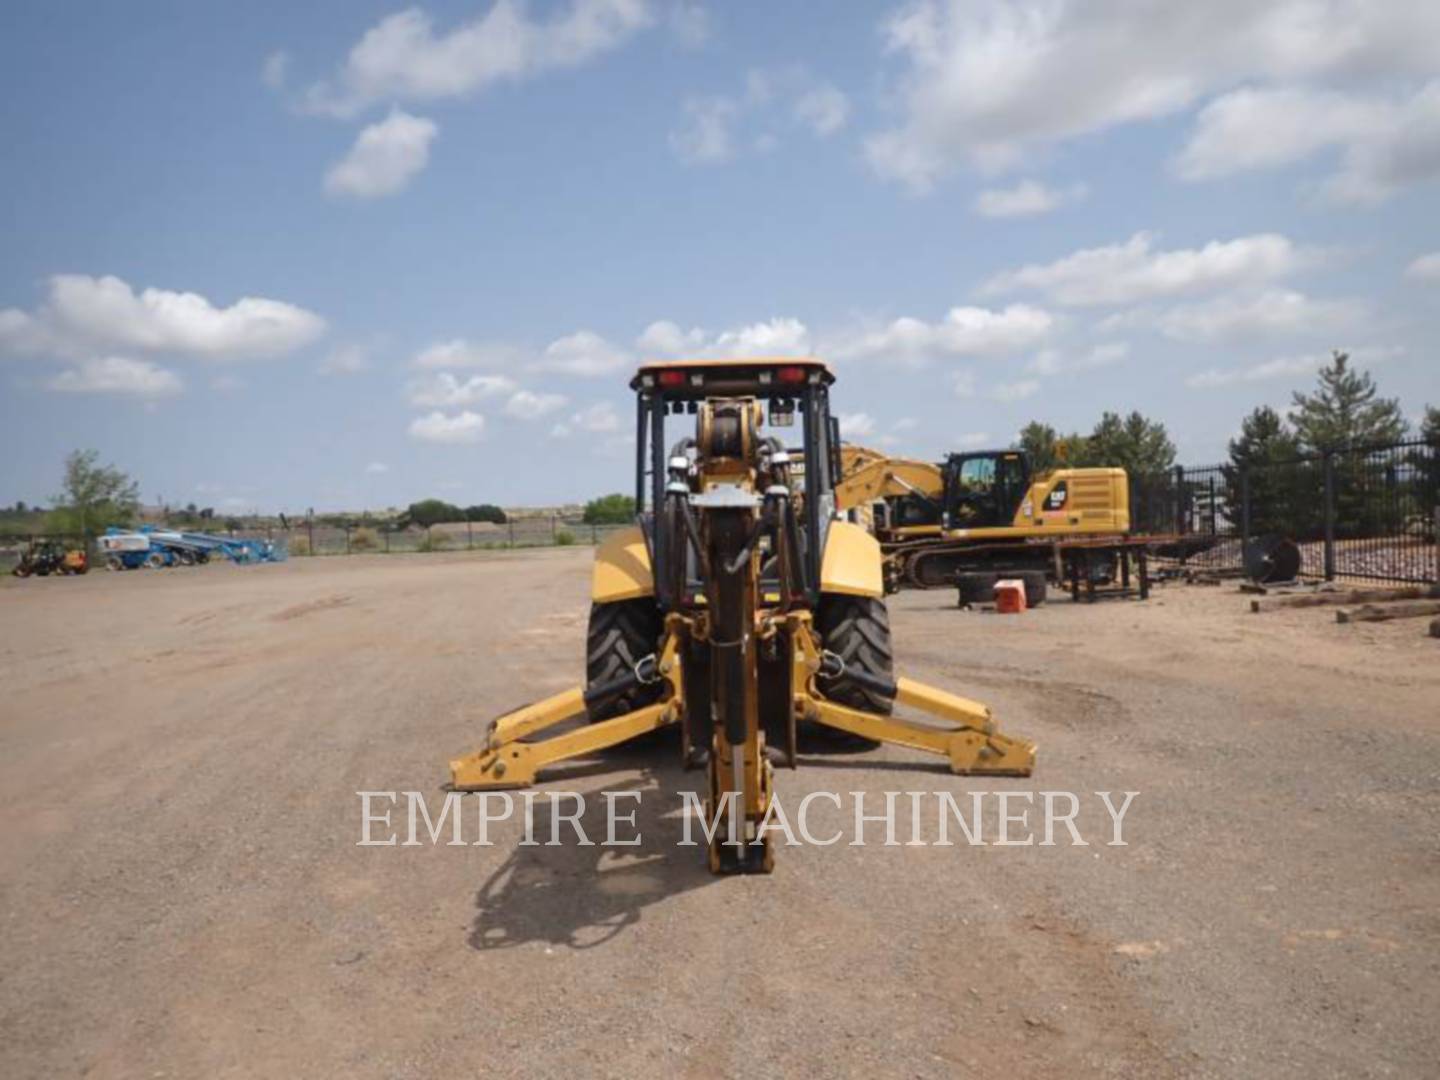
column 973, row 748
column 508, row 764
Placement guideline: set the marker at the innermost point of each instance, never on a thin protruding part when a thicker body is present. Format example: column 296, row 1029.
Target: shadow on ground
column 582, row 895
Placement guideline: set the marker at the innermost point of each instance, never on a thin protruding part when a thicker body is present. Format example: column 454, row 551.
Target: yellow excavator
column 738, row 607
column 983, row 511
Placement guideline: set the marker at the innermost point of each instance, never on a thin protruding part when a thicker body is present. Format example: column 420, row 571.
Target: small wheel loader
column 739, row 607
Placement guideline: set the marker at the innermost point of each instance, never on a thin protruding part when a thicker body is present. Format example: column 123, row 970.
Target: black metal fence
column 1359, row 512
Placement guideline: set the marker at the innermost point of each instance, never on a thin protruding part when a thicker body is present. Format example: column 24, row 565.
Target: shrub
column 433, row 541
column 364, row 540
column 564, row 538
column 614, row 509
column 299, row 545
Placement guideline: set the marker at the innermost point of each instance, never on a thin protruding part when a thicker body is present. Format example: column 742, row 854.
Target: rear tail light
column 672, row 378
column 790, row 374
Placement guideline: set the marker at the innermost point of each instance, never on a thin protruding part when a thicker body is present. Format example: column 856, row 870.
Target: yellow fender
column 851, row 565
column 622, row 568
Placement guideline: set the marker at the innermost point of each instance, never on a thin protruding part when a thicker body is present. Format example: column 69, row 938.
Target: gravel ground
column 182, row 893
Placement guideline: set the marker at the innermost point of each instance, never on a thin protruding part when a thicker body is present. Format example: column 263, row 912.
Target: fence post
column 347, row 539
column 554, row 527
column 1328, row 465
column 386, row 534
column 1214, row 522
column 310, row 528
column 511, row 524
column 1180, row 515
column 469, row 535
column 1244, row 508
column 595, row 533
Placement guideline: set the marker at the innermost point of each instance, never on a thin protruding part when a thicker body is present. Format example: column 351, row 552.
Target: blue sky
column 355, row 254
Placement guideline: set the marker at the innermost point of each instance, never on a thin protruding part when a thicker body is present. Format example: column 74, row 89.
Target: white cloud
column 465, row 354
column 1289, row 366
column 906, row 423
column 689, row 24
column 528, row 405
column 346, row 360
column 598, row 419
column 1386, row 143
column 1026, row 199
column 446, row 391
column 1055, row 362
column 1271, row 369
column 963, row 384
column 779, row 336
column 1274, row 313
column 83, row 314
column 1016, row 391
column 402, row 58
column 989, row 84
column 668, row 339
column 385, row 158
column 437, row 427
column 964, row 331
column 773, row 100
column 856, row 425
column 275, row 68
column 1425, row 267
column 823, row 108
column 117, row 375
column 584, row 353
column 973, row 441
column 377, row 468
column 1125, row 273
column 706, row 136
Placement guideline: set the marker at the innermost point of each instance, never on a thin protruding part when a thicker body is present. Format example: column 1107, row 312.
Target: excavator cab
column 985, row 489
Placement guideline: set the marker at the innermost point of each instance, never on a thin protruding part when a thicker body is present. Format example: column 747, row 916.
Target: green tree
column 1047, row 449
column 614, row 509
column 1040, row 444
column 485, row 512
column 1262, row 458
column 429, row 512
column 1346, row 410
column 95, row 496
column 1427, row 468
column 1140, row 446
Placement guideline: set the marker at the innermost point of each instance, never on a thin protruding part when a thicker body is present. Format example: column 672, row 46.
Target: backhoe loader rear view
column 738, row 607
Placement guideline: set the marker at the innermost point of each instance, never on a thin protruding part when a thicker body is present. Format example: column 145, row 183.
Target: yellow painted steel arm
column 870, row 476
column 516, row 764
column 973, row 747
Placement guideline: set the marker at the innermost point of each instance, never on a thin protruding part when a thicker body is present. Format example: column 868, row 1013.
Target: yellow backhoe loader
column 977, row 512
column 737, row 608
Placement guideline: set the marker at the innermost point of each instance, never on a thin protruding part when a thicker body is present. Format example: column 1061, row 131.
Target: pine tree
column 1262, row 460
column 1345, row 410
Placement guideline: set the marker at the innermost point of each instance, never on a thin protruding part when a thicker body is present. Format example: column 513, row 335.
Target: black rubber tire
column 976, row 586
column 620, row 635
column 1036, row 586
column 857, row 629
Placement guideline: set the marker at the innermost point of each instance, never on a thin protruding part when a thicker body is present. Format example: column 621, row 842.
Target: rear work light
column 672, row 378
column 790, row 374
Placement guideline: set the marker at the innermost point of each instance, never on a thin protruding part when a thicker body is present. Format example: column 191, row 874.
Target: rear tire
column 857, row 629
column 1036, row 587
column 620, row 635
column 976, row 587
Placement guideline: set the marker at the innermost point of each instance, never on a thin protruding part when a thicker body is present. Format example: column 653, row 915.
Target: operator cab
column 719, row 409
column 985, row 489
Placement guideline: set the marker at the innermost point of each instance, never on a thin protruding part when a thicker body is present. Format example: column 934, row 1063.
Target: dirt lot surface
column 182, row 894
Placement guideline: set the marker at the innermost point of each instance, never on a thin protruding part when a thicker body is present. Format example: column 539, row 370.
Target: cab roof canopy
column 751, row 369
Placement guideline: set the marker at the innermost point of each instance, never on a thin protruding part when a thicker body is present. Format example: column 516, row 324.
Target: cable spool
column 1271, row 558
